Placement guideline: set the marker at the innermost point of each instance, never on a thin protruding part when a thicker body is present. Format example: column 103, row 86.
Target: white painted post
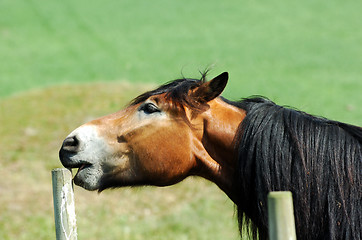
column 64, row 210
column 281, row 216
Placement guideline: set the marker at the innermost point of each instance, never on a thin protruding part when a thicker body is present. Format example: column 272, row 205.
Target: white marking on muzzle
column 92, row 147
column 93, row 150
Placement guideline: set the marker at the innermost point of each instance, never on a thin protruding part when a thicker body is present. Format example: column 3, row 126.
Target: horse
column 247, row 148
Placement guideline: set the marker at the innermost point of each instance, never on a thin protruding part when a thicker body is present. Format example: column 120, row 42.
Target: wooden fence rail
column 64, row 209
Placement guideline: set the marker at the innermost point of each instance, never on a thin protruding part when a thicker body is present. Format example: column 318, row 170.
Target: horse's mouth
column 71, row 165
column 81, row 167
column 84, row 165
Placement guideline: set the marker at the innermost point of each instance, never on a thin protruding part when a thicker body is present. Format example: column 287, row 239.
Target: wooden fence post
column 64, row 210
column 281, row 216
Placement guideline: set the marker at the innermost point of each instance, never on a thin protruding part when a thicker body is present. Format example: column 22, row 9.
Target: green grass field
column 65, row 62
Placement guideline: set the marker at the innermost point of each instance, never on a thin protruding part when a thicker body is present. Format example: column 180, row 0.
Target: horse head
column 180, row 129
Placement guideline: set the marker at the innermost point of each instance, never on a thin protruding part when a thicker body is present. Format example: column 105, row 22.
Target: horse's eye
column 149, row 108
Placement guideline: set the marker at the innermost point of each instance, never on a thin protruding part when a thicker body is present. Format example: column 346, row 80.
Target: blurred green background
column 65, row 62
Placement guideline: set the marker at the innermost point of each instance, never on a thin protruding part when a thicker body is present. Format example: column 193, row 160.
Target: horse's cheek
column 162, row 165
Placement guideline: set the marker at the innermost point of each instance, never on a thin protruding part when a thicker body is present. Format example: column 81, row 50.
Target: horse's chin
column 88, row 177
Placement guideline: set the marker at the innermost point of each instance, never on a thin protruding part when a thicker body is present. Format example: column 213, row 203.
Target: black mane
column 177, row 91
column 318, row 160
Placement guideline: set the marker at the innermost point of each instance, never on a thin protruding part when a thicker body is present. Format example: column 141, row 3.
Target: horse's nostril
column 71, row 144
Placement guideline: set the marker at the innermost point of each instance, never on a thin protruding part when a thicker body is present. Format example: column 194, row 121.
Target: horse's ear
column 211, row 89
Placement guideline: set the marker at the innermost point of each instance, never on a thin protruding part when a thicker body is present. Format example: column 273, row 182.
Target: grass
column 304, row 54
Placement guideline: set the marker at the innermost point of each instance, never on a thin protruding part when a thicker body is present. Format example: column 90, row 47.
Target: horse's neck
column 221, row 123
